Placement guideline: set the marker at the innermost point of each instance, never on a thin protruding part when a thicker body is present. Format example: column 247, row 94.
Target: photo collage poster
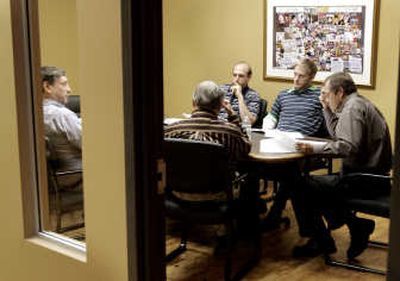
column 331, row 36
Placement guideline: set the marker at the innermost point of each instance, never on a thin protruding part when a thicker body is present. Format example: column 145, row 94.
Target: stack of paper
column 279, row 142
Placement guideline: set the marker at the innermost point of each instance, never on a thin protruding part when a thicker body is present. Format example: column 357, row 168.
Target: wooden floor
column 199, row 264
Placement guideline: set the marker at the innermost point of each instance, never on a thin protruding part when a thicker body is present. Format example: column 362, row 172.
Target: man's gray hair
column 341, row 80
column 208, row 95
column 51, row 73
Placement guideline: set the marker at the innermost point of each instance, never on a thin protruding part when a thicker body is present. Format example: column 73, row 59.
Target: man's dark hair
column 51, row 73
column 341, row 79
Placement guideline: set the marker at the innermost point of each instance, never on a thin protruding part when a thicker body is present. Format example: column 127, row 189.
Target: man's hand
column 227, row 105
column 237, row 91
column 323, row 99
column 305, row 148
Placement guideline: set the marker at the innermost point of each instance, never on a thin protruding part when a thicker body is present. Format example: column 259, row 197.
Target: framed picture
column 338, row 35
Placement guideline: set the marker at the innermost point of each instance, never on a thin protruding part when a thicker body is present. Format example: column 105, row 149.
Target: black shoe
column 222, row 246
column 314, row 248
column 360, row 230
column 261, row 206
column 270, row 223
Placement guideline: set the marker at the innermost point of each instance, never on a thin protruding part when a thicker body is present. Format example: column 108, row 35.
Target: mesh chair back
column 261, row 114
column 74, row 104
column 51, row 157
column 196, row 166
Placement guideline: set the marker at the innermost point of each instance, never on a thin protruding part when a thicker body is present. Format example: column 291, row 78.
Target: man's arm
column 271, row 120
column 243, row 109
column 348, row 131
column 330, row 117
column 73, row 128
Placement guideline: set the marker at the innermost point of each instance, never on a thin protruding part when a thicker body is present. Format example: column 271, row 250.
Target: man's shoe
column 222, row 246
column 360, row 230
column 314, row 248
column 271, row 223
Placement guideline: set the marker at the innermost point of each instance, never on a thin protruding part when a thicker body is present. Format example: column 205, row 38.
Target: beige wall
column 202, row 39
column 103, row 152
column 58, row 25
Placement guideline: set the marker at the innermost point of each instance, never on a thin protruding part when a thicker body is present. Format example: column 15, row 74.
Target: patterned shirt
column 206, row 126
column 298, row 111
column 361, row 136
column 64, row 130
column 251, row 99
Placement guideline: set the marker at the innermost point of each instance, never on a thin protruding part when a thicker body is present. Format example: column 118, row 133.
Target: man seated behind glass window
column 204, row 124
column 62, row 126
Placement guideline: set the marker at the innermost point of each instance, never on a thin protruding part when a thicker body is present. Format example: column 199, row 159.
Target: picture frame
column 338, row 35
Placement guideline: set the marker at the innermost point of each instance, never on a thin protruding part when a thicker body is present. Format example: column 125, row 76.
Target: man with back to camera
column 361, row 137
column 295, row 110
column 244, row 100
column 62, row 126
column 204, row 125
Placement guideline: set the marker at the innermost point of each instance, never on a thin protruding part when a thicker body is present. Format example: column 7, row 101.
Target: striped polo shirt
column 299, row 111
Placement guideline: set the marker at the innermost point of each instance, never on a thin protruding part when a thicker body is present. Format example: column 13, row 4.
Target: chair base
column 69, row 228
column 176, row 252
column 352, row 266
column 358, row 267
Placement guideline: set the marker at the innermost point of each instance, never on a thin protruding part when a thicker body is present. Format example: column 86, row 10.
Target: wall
column 202, row 39
column 105, row 213
column 59, row 37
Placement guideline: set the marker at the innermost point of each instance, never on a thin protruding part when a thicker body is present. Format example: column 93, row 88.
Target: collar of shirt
column 340, row 108
column 302, row 91
column 204, row 113
column 52, row 102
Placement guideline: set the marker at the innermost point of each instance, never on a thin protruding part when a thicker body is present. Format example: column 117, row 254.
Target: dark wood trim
column 143, row 113
column 35, row 64
column 394, row 235
column 25, row 109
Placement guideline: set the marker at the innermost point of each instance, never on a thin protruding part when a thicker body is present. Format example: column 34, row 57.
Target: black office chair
column 262, row 113
column 195, row 167
column 74, row 104
column 66, row 198
column 378, row 206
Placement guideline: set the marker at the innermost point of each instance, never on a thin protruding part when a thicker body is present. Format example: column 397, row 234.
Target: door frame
column 143, row 113
column 394, row 229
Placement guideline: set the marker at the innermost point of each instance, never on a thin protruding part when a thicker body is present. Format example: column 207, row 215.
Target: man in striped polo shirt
column 298, row 109
column 295, row 110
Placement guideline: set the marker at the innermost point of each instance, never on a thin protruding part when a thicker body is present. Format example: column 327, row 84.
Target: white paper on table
column 281, row 134
column 274, row 145
column 317, row 145
column 279, row 142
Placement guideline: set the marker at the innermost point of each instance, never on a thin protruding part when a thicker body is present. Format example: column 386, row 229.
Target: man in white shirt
column 62, row 126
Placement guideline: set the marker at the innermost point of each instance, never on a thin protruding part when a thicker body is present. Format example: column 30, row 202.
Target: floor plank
column 198, row 263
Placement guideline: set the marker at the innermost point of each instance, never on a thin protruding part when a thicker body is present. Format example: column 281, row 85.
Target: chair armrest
column 365, row 177
column 67, row 173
